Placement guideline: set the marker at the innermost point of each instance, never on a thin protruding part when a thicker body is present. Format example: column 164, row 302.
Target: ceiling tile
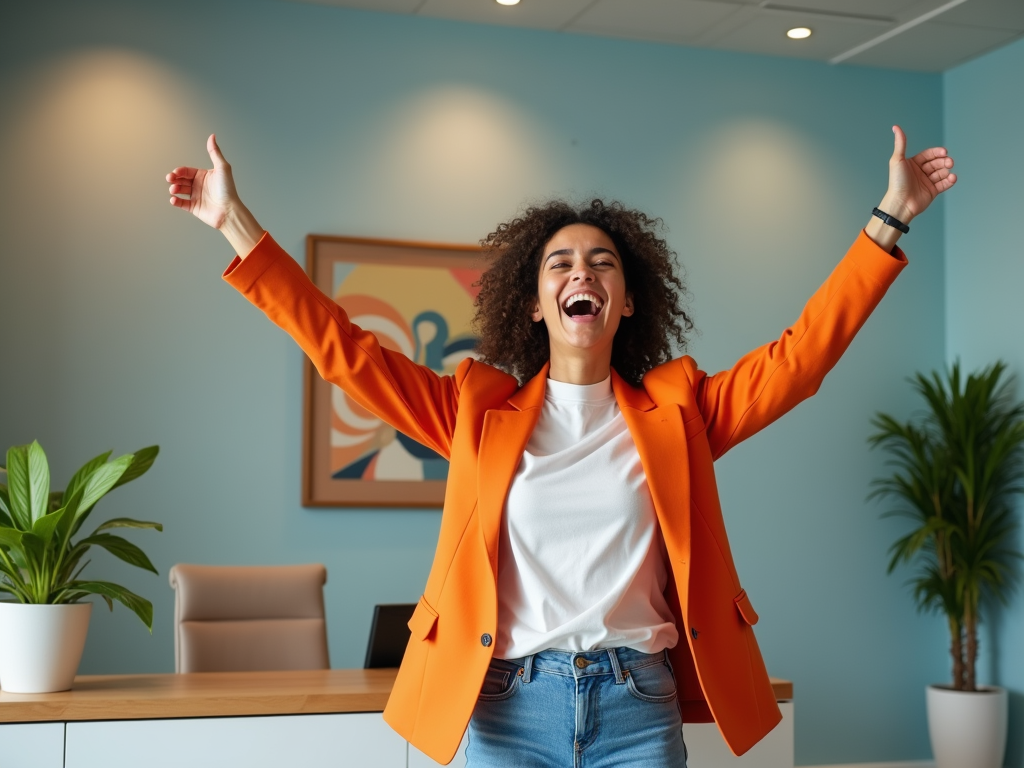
column 678, row 21
column 766, row 33
column 386, row 6
column 539, row 14
column 934, row 46
column 1001, row 14
column 890, row 9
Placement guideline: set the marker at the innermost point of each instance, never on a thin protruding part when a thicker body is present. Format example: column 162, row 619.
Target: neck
column 580, row 368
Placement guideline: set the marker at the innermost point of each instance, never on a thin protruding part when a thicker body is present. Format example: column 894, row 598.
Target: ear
column 627, row 308
column 535, row 314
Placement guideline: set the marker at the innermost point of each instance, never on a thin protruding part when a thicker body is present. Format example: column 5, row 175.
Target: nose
column 582, row 273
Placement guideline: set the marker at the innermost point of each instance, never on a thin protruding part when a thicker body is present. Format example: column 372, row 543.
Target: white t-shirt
column 582, row 562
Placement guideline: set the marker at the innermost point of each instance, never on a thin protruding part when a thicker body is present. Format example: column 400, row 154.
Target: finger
column 215, row 154
column 929, row 154
column 937, row 163
column 179, row 202
column 183, row 173
column 946, row 183
column 936, row 176
column 180, row 189
column 899, row 149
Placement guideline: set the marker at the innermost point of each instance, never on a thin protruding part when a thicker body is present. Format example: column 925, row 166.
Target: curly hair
column 512, row 341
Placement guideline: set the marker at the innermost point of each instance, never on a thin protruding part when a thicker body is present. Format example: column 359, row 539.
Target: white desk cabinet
column 32, row 745
column 311, row 741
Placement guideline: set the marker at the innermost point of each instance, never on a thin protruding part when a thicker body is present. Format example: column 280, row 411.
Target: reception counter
column 254, row 719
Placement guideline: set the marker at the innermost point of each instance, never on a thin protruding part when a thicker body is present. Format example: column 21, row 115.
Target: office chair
column 249, row 618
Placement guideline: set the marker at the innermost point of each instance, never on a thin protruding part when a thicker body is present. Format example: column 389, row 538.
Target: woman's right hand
column 210, row 196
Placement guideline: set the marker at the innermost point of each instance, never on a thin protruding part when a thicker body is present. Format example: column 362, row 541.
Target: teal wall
column 118, row 331
column 984, row 121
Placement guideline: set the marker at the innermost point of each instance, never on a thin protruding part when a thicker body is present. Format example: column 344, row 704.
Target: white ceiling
column 961, row 31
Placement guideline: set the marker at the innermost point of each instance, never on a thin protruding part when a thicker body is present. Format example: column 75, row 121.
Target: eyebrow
column 570, row 251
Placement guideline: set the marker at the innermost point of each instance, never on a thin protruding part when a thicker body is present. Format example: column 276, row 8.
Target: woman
column 583, row 600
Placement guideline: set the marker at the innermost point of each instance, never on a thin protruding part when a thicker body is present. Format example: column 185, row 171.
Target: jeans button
column 485, row 640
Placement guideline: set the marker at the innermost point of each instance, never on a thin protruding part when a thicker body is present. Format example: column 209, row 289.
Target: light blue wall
column 984, row 121
column 119, row 333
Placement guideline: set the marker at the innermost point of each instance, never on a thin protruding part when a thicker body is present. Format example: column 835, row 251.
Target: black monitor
column 389, row 634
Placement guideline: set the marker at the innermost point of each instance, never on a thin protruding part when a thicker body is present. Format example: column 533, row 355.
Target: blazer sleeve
column 412, row 398
column 768, row 382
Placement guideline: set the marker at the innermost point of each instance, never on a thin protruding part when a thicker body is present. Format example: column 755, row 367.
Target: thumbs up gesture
column 208, row 194
column 914, row 182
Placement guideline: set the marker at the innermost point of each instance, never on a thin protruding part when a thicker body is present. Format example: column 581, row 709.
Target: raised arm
column 412, row 398
column 768, row 382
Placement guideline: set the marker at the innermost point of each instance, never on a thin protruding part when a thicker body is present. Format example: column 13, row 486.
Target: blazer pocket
column 423, row 620
column 745, row 608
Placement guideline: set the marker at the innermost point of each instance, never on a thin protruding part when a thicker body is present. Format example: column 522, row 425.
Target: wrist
column 241, row 229
column 896, row 208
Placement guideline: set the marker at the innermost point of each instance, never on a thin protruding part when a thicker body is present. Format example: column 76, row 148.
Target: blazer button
column 485, row 640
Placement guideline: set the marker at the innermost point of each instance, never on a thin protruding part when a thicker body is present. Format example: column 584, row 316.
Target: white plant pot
column 41, row 645
column 967, row 728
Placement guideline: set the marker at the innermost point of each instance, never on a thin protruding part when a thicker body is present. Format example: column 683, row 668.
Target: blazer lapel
column 660, row 439
column 502, row 442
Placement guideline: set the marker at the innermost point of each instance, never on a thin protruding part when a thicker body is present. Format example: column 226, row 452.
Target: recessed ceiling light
column 796, row 33
column 508, row 2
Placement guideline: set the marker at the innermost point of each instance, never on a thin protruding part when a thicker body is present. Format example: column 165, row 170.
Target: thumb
column 899, row 150
column 215, row 153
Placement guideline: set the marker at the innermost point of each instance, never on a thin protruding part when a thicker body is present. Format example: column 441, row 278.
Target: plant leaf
column 9, row 536
column 142, row 607
column 144, row 458
column 5, row 507
column 33, row 548
column 79, row 479
column 28, row 475
column 47, row 524
column 120, row 548
column 127, row 522
column 102, row 479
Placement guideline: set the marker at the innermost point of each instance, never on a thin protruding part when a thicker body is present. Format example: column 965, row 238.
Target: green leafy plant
column 39, row 561
column 957, row 473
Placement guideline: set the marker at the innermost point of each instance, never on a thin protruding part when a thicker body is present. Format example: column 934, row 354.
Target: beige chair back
column 249, row 618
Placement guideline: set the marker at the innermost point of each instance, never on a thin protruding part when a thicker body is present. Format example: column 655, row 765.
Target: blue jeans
column 595, row 709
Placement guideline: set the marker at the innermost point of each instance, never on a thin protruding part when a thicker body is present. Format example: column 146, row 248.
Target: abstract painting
column 417, row 299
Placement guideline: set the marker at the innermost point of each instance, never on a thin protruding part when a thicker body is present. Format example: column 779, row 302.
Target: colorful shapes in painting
column 424, row 313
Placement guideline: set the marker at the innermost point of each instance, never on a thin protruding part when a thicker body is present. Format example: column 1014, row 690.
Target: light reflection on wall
column 91, row 134
column 769, row 181
column 460, row 149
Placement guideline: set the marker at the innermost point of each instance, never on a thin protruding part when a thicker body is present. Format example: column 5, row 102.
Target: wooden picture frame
column 418, row 299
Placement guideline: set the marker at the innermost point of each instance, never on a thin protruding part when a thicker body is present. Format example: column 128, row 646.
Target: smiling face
column 581, row 297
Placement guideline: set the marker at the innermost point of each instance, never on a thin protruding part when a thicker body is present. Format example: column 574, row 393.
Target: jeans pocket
column 653, row 683
column 500, row 682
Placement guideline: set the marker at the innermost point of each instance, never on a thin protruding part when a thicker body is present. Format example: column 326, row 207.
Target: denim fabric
column 595, row 709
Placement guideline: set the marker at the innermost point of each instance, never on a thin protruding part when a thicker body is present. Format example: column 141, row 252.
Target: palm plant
column 957, row 470
column 39, row 562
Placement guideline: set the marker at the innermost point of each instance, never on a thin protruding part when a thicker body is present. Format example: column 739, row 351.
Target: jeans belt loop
column 614, row 659
column 528, row 668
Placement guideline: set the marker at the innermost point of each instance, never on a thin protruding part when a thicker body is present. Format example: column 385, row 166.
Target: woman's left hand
column 915, row 181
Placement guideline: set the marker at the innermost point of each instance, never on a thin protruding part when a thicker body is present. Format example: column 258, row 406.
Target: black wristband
column 890, row 220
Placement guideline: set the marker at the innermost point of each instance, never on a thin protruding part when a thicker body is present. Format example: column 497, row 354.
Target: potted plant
column 45, row 624
column 957, row 471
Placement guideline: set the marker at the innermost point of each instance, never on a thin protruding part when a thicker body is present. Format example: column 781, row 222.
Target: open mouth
column 583, row 304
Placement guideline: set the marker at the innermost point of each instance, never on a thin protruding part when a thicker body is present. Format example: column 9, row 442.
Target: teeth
column 583, row 297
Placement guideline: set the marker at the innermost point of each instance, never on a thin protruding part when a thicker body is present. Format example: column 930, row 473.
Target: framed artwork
column 417, row 299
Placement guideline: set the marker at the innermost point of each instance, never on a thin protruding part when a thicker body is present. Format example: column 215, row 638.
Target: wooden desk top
column 217, row 694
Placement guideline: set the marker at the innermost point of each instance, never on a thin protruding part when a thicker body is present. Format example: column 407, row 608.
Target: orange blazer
column 681, row 420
